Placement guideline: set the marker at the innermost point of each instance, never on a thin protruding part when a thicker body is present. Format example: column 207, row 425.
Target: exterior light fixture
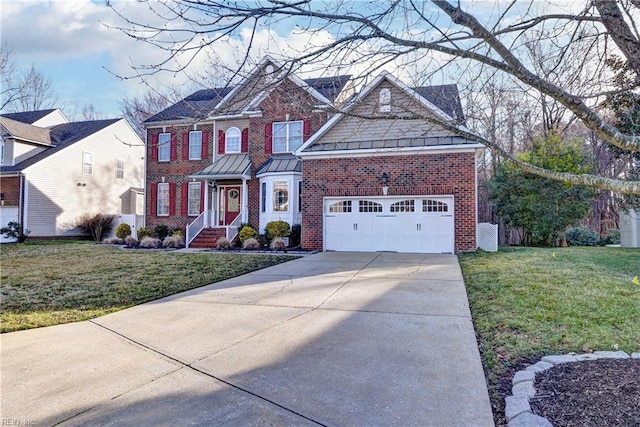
column 385, row 182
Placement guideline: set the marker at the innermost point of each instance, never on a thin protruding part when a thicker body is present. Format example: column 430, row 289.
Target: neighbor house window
column 164, row 147
column 232, row 140
column 119, row 169
column 263, row 196
column 87, row 163
column 1, row 152
column 195, row 196
column 195, row 145
column 163, row 199
column 287, row 136
column 280, row 196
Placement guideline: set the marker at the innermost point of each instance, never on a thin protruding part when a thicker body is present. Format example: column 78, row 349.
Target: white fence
column 135, row 221
column 487, row 235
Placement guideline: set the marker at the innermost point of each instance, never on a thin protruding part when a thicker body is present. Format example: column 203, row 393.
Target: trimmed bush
column 294, row 236
column 612, row 237
column 223, row 244
column 580, row 236
column 123, row 230
column 112, row 241
column 161, row 230
column 95, row 225
column 144, row 232
column 131, row 242
column 173, row 241
column 150, row 242
column 277, row 244
column 247, row 232
column 277, row 228
column 177, row 232
column 14, row 230
column 250, row 244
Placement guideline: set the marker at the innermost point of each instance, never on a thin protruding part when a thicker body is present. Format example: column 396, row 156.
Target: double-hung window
column 195, row 195
column 119, row 169
column 87, row 163
column 287, row 136
column 195, row 145
column 164, row 147
column 163, row 199
column 232, row 140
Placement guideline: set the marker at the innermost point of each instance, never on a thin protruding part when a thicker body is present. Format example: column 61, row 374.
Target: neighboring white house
column 52, row 171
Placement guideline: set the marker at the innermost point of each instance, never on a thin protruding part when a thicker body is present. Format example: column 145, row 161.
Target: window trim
column 199, row 151
column 226, row 141
column 160, row 189
column 198, row 199
column 120, row 169
column 287, row 135
column 87, row 165
column 164, row 146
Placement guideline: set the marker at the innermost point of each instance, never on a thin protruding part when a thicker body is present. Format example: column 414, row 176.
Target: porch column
column 245, row 201
column 205, row 208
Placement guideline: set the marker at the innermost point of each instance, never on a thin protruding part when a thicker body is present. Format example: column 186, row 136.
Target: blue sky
column 68, row 42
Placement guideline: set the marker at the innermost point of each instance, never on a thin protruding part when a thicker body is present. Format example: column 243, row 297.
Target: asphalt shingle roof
column 28, row 117
column 25, row 131
column 446, row 98
column 62, row 136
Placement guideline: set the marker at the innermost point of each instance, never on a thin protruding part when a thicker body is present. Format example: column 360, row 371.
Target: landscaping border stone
column 517, row 409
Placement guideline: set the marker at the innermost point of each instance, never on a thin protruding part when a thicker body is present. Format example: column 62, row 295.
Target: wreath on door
column 234, row 194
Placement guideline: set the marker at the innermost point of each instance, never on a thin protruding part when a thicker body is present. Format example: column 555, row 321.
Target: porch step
column 208, row 238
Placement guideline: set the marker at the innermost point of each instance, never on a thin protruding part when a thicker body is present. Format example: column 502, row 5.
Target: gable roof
column 25, row 132
column 443, row 101
column 207, row 102
column 63, row 136
column 29, row 117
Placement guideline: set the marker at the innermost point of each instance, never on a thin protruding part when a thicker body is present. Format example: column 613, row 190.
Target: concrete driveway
column 358, row 339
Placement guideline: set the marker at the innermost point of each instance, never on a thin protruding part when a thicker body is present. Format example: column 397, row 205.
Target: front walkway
column 329, row 339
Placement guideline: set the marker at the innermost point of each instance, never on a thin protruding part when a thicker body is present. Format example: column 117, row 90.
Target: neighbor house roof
column 62, row 136
column 29, row 117
column 25, row 132
column 280, row 163
column 202, row 103
column 229, row 166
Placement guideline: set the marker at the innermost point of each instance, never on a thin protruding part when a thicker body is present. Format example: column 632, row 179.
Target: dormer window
column 385, row 100
column 232, row 140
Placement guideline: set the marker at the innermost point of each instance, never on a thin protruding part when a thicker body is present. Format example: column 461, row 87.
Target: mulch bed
column 603, row 392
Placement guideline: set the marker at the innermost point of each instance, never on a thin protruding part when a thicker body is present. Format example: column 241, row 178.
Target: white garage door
column 421, row 224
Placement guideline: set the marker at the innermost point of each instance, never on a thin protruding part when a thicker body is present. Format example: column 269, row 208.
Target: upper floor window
column 232, row 140
column 164, row 147
column 195, row 145
column 287, row 136
column 385, row 100
column 87, row 163
column 119, row 169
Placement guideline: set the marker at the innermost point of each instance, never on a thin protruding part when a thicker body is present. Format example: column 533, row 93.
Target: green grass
column 528, row 302
column 48, row 283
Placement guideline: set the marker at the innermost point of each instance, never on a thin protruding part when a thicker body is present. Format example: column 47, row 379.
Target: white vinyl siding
column 164, row 147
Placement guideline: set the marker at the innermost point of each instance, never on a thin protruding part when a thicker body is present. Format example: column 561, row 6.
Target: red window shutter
column 174, row 146
column 268, row 138
column 172, row 198
column 154, row 197
column 185, row 145
column 306, row 130
column 154, row 147
column 184, row 190
column 203, row 188
column 205, row 145
column 220, row 142
column 244, row 141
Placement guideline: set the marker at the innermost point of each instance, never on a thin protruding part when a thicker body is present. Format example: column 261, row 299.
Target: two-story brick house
column 221, row 157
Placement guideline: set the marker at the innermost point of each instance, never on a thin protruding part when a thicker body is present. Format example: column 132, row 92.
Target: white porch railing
column 195, row 228
column 232, row 229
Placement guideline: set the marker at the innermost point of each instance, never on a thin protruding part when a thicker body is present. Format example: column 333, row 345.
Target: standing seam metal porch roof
column 229, row 166
column 280, row 163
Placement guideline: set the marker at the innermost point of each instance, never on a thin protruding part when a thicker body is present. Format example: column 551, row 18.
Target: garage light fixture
column 385, row 182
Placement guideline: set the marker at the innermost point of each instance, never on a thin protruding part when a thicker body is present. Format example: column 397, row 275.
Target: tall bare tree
column 499, row 37
column 137, row 109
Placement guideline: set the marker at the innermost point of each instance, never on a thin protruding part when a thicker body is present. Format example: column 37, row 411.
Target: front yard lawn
column 48, row 283
column 529, row 302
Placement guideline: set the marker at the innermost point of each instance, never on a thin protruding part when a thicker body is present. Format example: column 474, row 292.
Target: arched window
column 385, row 100
column 232, row 140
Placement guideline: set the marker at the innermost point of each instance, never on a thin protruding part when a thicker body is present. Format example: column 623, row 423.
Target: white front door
column 421, row 224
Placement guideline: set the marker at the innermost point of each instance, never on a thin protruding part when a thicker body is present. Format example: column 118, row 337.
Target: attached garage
column 420, row 224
